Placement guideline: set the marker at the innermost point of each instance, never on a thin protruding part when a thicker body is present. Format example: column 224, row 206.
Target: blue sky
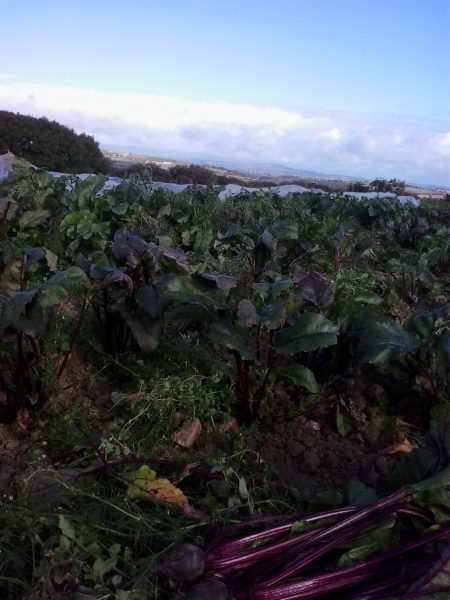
column 360, row 87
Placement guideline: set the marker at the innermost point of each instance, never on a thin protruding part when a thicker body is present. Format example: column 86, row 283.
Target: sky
column 355, row 87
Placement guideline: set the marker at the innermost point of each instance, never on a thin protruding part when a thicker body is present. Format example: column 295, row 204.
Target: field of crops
column 266, row 378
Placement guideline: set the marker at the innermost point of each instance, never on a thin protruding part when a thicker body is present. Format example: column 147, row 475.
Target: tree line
column 50, row 145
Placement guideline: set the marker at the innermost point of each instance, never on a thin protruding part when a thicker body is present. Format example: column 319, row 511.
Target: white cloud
column 354, row 144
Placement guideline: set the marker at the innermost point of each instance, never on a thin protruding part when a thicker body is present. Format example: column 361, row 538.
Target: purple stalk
column 442, row 565
column 415, row 512
column 379, row 592
column 354, row 523
column 346, row 576
column 314, row 586
column 233, row 545
column 410, row 595
column 251, row 556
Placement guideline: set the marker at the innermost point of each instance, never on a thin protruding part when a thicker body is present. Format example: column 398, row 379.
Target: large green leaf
column 85, row 191
column 383, row 341
column 195, row 311
column 247, row 315
column 33, row 218
column 274, row 314
column 152, row 299
column 224, row 333
column 263, row 250
column 222, row 282
column 422, row 324
column 272, row 290
column 75, row 218
column 300, row 376
column 203, row 238
column 61, row 285
column 172, row 260
column 133, row 250
column 121, row 209
column 212, row 289
column 310, row 332
column 314, row 288
column 145, row 329
column 284, row 230
column 13, row 308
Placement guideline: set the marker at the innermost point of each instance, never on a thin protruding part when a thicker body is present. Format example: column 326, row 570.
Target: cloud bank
column 417, row 150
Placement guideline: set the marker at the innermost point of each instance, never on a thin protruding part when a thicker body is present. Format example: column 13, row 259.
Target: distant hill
column 50, row 145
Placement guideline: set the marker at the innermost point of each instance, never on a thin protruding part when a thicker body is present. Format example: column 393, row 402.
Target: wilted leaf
column 403, row 446
column 52, row 260
column 144, row 485
column 10, row 279
column 188, row 433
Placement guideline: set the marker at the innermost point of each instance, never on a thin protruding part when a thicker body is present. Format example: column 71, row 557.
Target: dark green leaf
column 344, row 423
column 224, row 333
column 66, row 527
column 310, row 332
column 59, row 286
column 13, row 308
column 203, row 239
column 145, row 329
column 247, row 315
column 314, row 288
column 300, row 376
column 358, row 493
column 222, row 282
column 33, row 218
column 382, row 341
column 120, row 209
column 326, row 499
column 197, row 312
column 284, row 230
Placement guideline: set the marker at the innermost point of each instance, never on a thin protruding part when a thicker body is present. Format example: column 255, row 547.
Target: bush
column 51, row 145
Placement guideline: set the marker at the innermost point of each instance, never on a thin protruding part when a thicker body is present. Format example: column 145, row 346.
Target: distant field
column 123, row 160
